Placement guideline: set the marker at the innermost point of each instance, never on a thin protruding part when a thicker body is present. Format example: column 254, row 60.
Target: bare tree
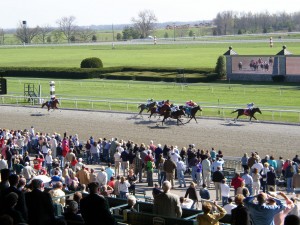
column 145, row 23
column 26, row 34
column 67, row 26
column 224, row 22
column 85, row 34
column 44, row 33
column 2, row 36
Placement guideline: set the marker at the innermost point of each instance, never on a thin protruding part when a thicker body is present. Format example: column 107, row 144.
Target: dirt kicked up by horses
column 246, row 112
column 51, row 104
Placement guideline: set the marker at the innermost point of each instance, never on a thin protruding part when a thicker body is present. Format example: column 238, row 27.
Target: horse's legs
column 254, row 117
column 179, row 121
column 195, row 119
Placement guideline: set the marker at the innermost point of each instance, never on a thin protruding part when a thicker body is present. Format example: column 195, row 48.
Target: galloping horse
column 160, row 112
column 174, row 115
column 193, row 112
column 53, row 104
column 145, row 106
column 247, row 112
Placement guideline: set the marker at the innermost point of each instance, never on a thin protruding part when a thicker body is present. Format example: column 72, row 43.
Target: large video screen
column 292, row 65
column 252, row 65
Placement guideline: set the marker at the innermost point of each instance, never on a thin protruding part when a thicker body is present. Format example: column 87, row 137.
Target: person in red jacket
column 236, row 182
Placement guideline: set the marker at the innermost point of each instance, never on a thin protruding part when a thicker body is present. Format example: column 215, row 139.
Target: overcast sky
column 99, row 12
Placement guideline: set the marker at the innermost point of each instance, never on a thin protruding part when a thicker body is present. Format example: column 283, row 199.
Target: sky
column 99, row 12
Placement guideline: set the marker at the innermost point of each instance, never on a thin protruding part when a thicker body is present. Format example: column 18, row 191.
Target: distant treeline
column 230, row 22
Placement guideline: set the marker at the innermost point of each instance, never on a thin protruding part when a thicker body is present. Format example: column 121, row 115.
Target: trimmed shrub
column 278, row 78
column 221, row 67
column 93, row 62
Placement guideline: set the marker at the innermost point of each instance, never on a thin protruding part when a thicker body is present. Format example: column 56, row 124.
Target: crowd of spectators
column 33, row 161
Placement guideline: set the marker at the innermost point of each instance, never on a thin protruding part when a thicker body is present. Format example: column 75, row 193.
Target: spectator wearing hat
column 79, row 164
column 102, row 177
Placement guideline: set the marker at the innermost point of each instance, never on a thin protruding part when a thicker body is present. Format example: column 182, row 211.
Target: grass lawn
column 209, row 94
column 201, row 55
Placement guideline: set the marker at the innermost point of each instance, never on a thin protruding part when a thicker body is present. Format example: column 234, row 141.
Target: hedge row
column 104, row 73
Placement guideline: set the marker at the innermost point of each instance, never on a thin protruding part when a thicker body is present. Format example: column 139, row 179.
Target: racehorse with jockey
column 189, row 105
column 249, row 108
column 51, row 101
column 149, row 102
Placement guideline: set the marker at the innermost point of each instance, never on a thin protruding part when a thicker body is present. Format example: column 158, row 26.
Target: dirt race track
column 233, row 139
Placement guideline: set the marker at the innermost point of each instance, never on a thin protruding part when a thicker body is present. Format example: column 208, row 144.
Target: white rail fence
column 90, row 104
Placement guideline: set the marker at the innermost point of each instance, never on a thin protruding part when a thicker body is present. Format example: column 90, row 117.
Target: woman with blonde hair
column 256, row 181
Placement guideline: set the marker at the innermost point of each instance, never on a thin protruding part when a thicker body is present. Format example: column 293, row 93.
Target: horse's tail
column 234, row 111
column 43, row 105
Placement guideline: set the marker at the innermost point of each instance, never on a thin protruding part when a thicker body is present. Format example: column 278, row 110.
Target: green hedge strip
column 205, row 75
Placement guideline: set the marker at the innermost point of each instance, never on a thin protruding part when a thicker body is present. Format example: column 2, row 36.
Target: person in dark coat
column 20, row 206
column 10, row 201
column 94, row 207
column 240, row 214
column 39, row 205
column 71, row 215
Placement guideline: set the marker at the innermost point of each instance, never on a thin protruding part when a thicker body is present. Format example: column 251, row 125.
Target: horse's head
column 198, row 108
column 257, row 110
column 56, row 101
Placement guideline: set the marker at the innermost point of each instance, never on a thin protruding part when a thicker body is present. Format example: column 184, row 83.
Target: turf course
column 220, row 94
column 187, row 55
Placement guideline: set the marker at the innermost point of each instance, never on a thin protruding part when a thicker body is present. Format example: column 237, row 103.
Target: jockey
column 249, row 108
column 167, row 103
column 250, row 105
column 159, row 105
column 149, row 101
column 189, row 104
column 51, row 100
column 174, row 108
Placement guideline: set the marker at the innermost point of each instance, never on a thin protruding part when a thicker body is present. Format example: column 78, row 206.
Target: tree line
column 230, row 22
column 225, row 23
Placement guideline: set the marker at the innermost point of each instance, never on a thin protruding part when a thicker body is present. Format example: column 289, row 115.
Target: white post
column 40, row 94
column 52, row 89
